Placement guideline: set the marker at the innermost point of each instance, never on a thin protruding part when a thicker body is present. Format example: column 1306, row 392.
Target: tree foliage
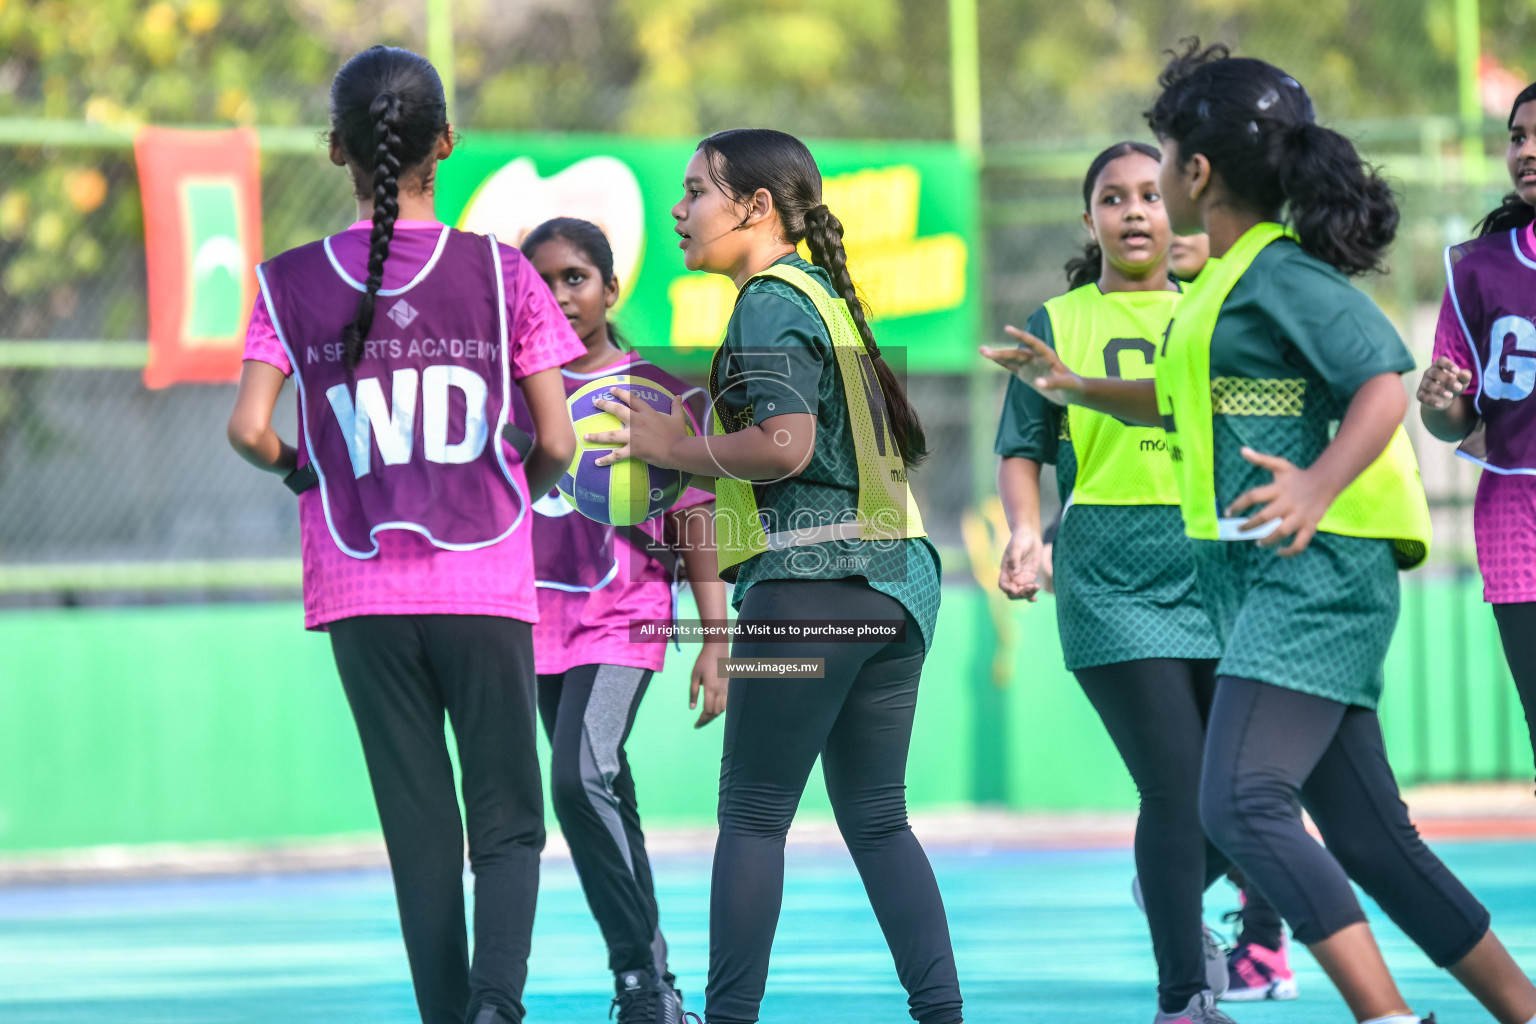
column 69, row 224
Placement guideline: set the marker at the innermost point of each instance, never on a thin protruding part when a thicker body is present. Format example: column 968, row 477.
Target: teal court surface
column 1048, row 936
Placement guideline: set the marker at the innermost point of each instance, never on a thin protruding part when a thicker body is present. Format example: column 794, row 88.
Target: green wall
column 226, row 722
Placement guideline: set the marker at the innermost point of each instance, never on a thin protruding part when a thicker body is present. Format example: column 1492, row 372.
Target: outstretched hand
column 1295, row 501
column 647, row 435
column 1036, row 364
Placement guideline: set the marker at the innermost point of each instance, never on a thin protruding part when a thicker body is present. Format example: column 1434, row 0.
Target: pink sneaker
column 1257, row 973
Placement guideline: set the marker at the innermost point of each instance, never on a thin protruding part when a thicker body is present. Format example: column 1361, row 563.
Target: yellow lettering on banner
column 921, row 276
column 701, row 305
column 898, row 273
column 875, row 205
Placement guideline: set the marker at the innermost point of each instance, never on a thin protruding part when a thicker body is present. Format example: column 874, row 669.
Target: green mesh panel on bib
column 1244, row 396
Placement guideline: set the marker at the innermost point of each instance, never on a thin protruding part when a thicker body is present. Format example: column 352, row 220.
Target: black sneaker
column 642, row 998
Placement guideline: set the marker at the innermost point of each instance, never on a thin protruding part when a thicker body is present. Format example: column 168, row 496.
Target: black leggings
column 401, row 672
column 859, row 719
column 588, row 713
column 1258, row 920
column 1270, row 751
column 1517, row 628
column 1155, row 711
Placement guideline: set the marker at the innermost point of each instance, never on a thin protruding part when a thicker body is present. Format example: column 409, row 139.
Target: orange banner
column 202, row 238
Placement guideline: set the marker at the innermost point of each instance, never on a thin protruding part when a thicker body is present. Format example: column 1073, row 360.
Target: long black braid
column 386, row 208
column 387, row 104
column 824, row 238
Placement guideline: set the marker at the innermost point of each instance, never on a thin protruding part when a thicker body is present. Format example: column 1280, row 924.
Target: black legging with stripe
column 588, row 712
column 859, row 720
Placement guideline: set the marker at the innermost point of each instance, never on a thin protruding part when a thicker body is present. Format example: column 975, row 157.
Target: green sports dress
column 1293, row 343
column 1125, row 579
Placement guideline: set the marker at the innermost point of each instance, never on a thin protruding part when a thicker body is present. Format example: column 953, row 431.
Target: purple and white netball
column 629, row 491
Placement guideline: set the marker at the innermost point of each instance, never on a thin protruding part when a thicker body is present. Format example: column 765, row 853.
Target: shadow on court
column 1049, row 936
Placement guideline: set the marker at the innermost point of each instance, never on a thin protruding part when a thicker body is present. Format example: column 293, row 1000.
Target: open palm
column 1036, row 364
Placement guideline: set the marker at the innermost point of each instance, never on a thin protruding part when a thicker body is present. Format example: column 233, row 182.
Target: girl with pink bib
column 408, row 341
column 1478, row 392
column 593, row 670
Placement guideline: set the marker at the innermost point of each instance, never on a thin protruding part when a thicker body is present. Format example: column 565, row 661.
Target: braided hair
column 1086, row 268
column 387, row 109
column 743, row 160
column 1257, row 127
column 1512, row 212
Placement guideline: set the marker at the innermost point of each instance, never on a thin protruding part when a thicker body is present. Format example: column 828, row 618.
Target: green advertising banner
column 908, row 210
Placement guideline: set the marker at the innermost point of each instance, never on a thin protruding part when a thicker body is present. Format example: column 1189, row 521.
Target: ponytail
column 824, row 238
column 1086, row 267
column 1257, row 127
column 1342, row 210
column 386, row 207
column 1512, row 213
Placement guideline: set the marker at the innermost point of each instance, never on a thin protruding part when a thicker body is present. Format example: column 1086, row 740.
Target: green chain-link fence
column 108, row 488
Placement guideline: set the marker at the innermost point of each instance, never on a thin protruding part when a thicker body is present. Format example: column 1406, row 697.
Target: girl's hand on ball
column 647, row 435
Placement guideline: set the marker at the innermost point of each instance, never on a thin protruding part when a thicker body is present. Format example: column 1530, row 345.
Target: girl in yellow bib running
column 1298, row 531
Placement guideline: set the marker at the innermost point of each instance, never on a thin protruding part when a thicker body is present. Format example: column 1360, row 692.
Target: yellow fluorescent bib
column 1114, row 335
column 886, row 511
column 1386, row 500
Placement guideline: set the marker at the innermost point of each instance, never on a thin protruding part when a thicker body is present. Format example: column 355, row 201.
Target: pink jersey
column 1504, row 513
column 410, row 575
column 592, row 627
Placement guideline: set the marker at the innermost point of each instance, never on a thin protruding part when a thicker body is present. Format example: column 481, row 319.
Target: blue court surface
column 1040, row 936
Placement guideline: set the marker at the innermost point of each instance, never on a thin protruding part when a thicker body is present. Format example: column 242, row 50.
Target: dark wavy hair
column 590, row 241
column 1257, row 127
column 388, row 110
column 1512, row 212
column 1086, row 268
column 743, row 160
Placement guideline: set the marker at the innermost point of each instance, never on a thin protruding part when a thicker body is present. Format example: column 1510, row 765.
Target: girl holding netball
column 1478, row 392
column 1132, row 628
column 1298, row 531
column 813, row 437
column 594, row 580
column 406, row 340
